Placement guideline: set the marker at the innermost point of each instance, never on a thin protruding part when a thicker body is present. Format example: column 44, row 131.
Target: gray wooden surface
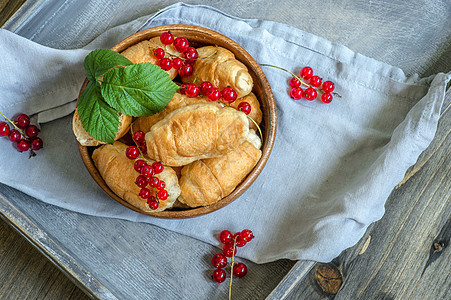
column 398, row 262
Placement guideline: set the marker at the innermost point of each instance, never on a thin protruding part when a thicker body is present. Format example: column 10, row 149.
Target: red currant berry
column 141, row 181
column 147, row 171
column 183, row 87
column 229, row 249
column 165, row 63
column 225, row 237
column 219, row 260
column 306, row 73
column 181, row 44
column 229, row 94
column 37, row 144
column 143, row 148
column 245, row 107
column 247, row 235
column 162, row 194
column 192, row 90
column 144, row 193
column 22, row 121
column 294, row 82
column 213, row 94
column 132, row 152
column 186, row 70
column 310, row 94
column 191, row 53
column 315, row 81
column 296, row 93
column 219, row 275
column 153, row 203
column 139, row 164
column 157, row 167
column 177, row 63
column 167, row 38
column 205, row 87
column 161, row 185
column 159, row 53
column 326, row 97
column 14, row 135
column 23, row 145
column 328, row 86
column 4, row 129
column 154, row 181
column 238, row 240
column 239, row 270
column 31, row 131
column 139, row 136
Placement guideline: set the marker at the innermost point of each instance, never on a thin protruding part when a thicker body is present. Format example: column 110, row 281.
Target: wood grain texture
column 26, row 274
column 8, row 8
column 394, row 262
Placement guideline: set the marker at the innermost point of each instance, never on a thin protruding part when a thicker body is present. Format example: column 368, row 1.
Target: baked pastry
column 85, row 139
column 196, row 131
column 256, row 112
column 220, row 67
column 207, row 181
column 145, row 123
column 142, row 52
column 119, row 174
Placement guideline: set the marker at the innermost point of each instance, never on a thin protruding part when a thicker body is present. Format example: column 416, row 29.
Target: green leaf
column 99, row 119
column 138, row 90
column 99, row 61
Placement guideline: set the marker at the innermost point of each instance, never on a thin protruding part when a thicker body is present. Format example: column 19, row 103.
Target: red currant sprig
column 227, row 96
column 301, row 89
column 146, row 178
column 23, row 134
column 184, row 63
column 220, row 260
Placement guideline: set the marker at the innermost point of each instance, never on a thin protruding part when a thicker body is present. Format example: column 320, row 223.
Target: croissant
column 196, row 131
column 255, row 114
column 85, row 139
column 143, row 52
column 207, row 181
column 145, row 123
column 220, row 67
column 119, row 174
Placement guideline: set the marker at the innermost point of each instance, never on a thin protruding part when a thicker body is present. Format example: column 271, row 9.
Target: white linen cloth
column 332, row 166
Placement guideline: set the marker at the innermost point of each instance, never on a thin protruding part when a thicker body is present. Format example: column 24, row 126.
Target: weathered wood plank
column 26, row 274
column 8, row 8
column 360, row 278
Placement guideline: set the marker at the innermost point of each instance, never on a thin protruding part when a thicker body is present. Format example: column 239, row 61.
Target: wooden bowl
column 198, row 36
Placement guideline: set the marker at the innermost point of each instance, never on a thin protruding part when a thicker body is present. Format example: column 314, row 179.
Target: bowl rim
column 270, row 128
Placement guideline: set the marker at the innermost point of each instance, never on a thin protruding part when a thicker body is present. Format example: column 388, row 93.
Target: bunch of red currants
column 220, row 261
column 23, row 134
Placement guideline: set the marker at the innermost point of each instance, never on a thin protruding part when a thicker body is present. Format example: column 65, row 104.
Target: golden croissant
column 207, row 181
column 196, row 131
column 119, row 174
column 220, row 67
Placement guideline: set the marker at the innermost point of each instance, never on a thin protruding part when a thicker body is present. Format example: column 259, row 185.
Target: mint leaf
column 98, row 118
column 138, row 90
column 99, row 61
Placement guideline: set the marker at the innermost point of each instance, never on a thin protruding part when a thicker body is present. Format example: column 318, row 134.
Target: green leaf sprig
column 115, row 86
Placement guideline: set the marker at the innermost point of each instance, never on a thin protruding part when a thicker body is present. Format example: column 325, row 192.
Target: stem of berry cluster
column 231, row 267
column 12, row 123
column 292, row 74
column 139, row 149
column 258, row 127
